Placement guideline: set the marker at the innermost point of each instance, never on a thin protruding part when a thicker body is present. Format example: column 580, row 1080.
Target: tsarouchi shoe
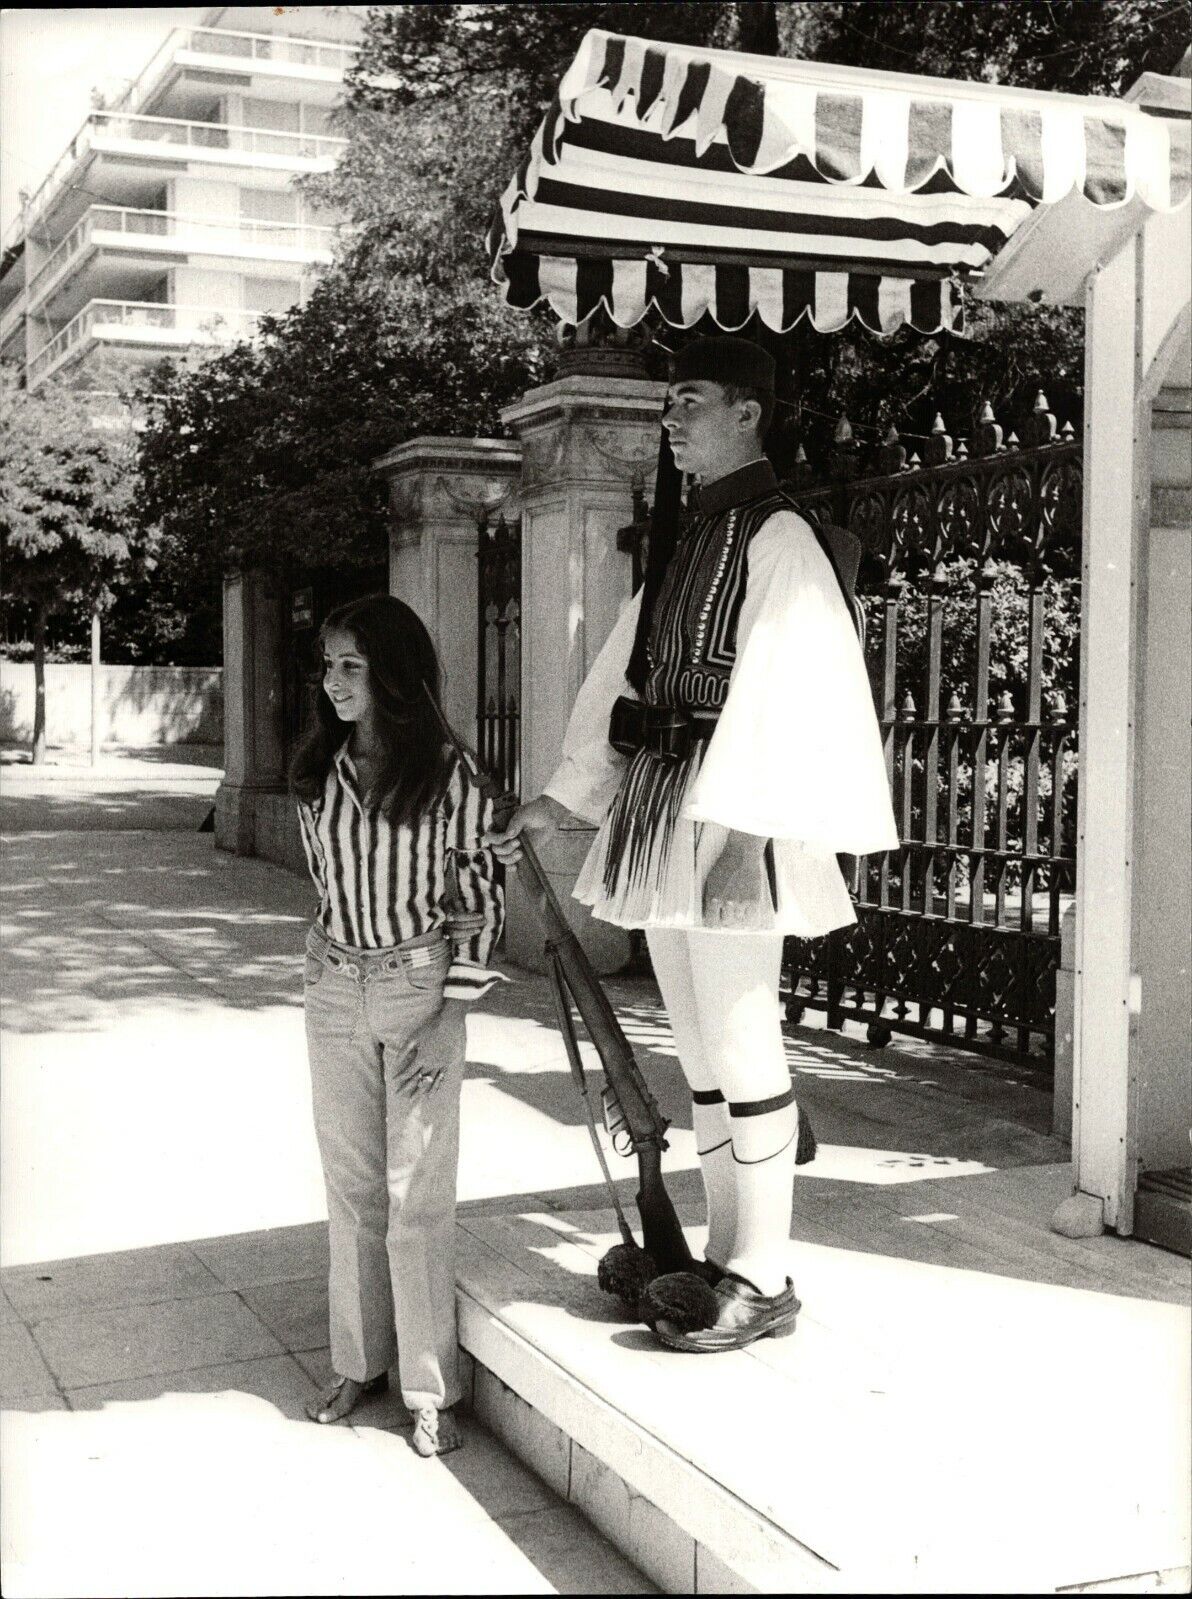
column 736, row 1315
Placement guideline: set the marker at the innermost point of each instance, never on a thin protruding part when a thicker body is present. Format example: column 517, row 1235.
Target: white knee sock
column 714, row 1143
column 764, row 1135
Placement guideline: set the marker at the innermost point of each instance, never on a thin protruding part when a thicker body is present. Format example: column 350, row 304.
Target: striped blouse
column 380, row 884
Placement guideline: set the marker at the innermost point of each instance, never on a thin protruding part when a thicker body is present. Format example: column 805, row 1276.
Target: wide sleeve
column 797, row 752
column 588, row 776
column 475, row 906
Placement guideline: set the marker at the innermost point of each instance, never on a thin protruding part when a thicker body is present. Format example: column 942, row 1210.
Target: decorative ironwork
column 966, row 559
column 971, row 559
column 498, row 650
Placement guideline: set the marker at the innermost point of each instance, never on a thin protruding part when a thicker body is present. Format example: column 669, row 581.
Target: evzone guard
column 726, row 743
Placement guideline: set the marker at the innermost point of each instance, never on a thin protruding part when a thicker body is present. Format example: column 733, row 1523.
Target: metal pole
column 95, row 688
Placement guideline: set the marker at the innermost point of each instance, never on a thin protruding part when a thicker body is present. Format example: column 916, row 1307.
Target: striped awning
column 700, row 181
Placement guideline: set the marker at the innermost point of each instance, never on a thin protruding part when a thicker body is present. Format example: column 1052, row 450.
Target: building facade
column 172, row 221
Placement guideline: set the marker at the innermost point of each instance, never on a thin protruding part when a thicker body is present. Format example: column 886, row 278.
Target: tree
column 67, row 529
column 264, row 454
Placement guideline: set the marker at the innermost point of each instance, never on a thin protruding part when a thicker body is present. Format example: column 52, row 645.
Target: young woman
column 408, row 915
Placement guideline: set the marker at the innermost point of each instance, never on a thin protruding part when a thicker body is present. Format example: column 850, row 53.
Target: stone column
column 254, row 750
column 439, row 489
column 587, row 441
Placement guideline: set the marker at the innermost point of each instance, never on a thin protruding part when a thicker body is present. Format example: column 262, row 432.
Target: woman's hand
column 423, row 1063
column 734, row 886
column 542, row 815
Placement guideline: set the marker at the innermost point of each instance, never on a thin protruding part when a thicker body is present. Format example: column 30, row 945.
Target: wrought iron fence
column 498, row 650
column 969, row 579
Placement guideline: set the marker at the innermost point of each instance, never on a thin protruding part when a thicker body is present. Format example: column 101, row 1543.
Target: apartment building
column 171, row 222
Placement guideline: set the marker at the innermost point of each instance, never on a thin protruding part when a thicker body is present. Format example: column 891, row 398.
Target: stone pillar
column 439, row 489
column 587, row 442
column 254, row 751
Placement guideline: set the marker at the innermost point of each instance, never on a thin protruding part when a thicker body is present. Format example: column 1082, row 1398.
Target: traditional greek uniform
column 753, row 638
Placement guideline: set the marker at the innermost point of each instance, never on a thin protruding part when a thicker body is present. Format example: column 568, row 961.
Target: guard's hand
column 427, row 1055
column 734, row 886
column 542, row 815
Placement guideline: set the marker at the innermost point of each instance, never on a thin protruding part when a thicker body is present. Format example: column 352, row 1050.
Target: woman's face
column 347, row 682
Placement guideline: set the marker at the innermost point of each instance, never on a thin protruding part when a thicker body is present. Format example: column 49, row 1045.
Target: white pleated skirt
column 648, row 863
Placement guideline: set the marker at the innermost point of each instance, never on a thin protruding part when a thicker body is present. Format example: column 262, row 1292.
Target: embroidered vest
column 693, row 637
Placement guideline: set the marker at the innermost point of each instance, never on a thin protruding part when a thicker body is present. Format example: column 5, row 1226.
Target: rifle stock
column 646, row 1126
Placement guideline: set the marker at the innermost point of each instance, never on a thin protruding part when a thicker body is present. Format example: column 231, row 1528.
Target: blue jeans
column 390, row 1150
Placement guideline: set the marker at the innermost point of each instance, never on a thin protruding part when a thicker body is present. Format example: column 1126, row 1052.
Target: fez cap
column 725, row 360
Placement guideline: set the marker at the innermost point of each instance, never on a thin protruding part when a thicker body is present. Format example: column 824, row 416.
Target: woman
column 408, row 916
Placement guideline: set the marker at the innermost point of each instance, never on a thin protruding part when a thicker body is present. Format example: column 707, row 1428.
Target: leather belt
column 662, row 730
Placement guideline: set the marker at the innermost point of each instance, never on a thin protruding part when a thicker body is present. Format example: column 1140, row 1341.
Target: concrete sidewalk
column 158, row 1155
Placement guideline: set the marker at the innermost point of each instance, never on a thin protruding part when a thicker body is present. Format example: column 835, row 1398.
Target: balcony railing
column 177, row 132
column 276, row 47
column 203, row 324
column 173, row 133
column 186, row 232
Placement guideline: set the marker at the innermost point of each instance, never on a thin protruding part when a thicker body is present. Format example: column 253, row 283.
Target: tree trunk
column 757, row 22
column 95, row 688
column 39, row 687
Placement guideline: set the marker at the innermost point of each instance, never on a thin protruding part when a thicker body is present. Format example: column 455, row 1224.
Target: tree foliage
column 263, row 454
column 68, row 533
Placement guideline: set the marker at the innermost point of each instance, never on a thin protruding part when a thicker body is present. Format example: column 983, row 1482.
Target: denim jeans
column 390, row 1150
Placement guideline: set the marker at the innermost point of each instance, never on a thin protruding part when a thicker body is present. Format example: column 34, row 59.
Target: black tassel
column 805, row 1146
column 664, row 533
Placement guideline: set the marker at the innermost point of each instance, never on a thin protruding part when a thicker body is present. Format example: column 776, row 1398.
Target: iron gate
column 498, row 650
column 970, row 584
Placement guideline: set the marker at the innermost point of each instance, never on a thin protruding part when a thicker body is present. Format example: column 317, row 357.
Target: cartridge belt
column 666, row 731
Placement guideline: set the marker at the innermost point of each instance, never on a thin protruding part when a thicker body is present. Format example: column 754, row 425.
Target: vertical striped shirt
column 381, row 884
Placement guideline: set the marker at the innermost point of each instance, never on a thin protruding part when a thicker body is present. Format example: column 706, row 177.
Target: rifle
column 631, row 1114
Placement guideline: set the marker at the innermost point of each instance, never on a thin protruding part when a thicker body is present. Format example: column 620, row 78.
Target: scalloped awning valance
column 703, row 181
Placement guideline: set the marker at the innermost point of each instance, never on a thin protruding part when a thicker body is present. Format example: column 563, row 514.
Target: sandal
column 436, row 1432
column 319, row 1409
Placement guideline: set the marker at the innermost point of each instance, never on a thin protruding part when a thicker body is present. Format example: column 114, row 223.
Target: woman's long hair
column 403, row 675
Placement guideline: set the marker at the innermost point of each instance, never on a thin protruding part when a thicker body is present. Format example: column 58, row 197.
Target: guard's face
column 700, row 422
column 346, row 680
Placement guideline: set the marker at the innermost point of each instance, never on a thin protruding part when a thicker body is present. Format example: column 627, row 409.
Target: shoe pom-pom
column 624, row 1271
column 682, row 1299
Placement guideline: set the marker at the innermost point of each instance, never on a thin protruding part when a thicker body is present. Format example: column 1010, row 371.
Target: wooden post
column 95, row 688
column 1103, row 992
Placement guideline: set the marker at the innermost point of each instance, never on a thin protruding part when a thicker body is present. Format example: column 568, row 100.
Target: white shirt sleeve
column 588, row 776
column 797, row 752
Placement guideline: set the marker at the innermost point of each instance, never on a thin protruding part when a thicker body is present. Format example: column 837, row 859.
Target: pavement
column 162, row 1315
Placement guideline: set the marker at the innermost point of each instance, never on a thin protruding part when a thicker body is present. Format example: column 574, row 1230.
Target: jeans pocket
column 313, row 971
column 423, row 973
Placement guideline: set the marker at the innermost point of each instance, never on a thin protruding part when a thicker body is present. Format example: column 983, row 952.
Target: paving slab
column 85, row 1347
column 127, row 1277
column 273, row 1256
column 276, row 1378
column 295, row 1312
column 222, row 1494
column 23, row 1371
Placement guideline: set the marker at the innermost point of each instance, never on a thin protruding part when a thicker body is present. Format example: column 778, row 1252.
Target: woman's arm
column 475, row 907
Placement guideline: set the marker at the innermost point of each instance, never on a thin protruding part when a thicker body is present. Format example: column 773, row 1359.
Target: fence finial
column 987, row 435
column 938, row 447
column 892, row 453
column 1040, row 426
